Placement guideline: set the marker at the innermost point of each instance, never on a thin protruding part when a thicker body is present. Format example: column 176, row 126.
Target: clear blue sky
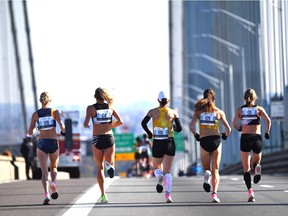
column 79, row 45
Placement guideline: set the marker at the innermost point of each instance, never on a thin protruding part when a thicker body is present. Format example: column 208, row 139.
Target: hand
column 267, row 135
column 63, row 133
column 240, row 128
column 224, row 137
column 197, row 137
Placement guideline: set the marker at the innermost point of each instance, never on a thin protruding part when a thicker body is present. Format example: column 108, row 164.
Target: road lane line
column 85, row 203
column 267, row 186
column 234, row 179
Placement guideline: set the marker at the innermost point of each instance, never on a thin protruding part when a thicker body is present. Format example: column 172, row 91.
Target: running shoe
column 110, row 169
column 215, row 198
column 103, row 199
column 206, row 184
column 251, row 197
column 54, row 194
column 257, row 174
column 168, row 198
column 47, row 199
column 159, row 187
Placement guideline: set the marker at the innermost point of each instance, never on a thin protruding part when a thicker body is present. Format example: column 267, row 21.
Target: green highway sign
column 124, row 142
column 179, row 141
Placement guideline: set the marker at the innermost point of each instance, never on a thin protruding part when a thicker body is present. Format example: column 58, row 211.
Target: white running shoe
column 257, row 174
column 207, row 180
column 251, row 197
column 215, row 198
column 47, row 199
column 168, row 198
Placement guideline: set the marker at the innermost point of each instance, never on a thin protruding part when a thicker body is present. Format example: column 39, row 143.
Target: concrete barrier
column 7, row 171
column 12, row 168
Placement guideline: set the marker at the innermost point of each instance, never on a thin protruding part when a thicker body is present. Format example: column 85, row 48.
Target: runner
column 47, row 145
column 209, row 117
column 250, row 115
column 163, row 149
column 103, row 144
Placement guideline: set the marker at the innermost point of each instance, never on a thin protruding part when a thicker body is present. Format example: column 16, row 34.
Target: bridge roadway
column 137, row 196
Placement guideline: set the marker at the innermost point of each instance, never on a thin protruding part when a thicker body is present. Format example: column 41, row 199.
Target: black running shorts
column 163, row 147
column 210, row 143
column 102, row 142
column 250, row 142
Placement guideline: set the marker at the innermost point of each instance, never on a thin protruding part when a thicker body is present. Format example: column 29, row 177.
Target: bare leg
column 216, row 158
column 43, row 159
column 54, row 160
column 98, row 157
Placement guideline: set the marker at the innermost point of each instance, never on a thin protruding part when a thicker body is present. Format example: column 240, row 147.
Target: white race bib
column 207, row 119
column 103, row 116
column 249, row 113
column 160, row 133
column 46, row 123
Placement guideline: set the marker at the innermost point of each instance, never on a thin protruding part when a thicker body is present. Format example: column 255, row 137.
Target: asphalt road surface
column 137, row 196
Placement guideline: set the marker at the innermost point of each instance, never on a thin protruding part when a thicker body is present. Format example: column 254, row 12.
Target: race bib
column 160, row 133
column 207, row 119
column 103, row 116
column 249, row 113
column 46, row 123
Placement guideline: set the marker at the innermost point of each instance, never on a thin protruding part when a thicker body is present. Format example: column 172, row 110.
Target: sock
column 254, row 165
column 158, row 173
column 168, row 182
column 247, row 179
column 107, row 165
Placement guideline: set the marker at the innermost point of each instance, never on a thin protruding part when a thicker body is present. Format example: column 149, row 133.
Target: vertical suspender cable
column 30, row 54
column 18, row 66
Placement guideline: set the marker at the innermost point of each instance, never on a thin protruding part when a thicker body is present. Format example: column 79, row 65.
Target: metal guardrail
column 273, row 163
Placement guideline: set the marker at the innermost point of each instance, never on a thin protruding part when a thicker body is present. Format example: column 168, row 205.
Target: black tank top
column 250, row 115
column 103, row 114
column 45, row 120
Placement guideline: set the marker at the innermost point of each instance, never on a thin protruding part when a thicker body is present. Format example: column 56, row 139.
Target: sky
column 121, row 45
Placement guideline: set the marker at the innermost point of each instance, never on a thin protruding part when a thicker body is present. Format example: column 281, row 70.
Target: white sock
column 158, row 173
column 107, row 165
column 207, row 176
column 168, row 182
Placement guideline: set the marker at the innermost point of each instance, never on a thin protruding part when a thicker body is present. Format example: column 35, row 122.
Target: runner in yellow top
column 209, row 117
column 163, row 149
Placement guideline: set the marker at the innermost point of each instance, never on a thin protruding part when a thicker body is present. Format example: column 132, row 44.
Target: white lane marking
column 286, row 191
column 267, row 186
column 234, row 179
column 85, row 203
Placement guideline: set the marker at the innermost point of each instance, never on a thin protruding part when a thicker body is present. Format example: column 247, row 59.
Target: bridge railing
column 272, row 163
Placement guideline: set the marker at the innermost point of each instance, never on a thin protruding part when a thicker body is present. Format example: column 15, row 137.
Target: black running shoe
column 206, row 187
column 54, row 194
column 257, row 174
column 46, row 201
column 159, row 188
column 111, row 172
